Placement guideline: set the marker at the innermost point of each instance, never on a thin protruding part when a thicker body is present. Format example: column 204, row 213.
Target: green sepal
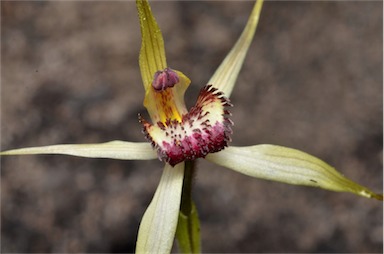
column 287, row 165
column 152, row 53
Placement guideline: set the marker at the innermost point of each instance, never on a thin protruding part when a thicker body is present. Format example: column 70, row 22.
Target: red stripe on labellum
column 206, row 128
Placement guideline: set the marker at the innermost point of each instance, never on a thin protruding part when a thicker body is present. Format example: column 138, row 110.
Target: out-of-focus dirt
column 312, row 81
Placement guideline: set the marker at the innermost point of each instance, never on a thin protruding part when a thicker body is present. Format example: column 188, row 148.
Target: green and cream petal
column 113, row 150
column 225, row 76
column 287, row 165
column 158, row 226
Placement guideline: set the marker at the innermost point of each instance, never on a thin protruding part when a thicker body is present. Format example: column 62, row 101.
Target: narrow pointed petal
column 152, row 53
column 225, row 76
column 113, row 150
column 158, row 226
column 287, row 165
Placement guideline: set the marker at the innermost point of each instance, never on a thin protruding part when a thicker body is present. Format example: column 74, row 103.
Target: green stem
column 186, row 196
column 188, row 227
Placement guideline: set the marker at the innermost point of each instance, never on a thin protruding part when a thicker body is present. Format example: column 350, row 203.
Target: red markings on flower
column 206, row 128
column 164, row 79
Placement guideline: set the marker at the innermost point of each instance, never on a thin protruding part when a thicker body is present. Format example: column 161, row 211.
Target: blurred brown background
column 312, row 81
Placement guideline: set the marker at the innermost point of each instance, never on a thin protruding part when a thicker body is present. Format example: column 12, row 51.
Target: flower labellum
column 206, row 128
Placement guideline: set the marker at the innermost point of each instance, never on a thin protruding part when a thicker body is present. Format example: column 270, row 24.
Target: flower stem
column 186, row 197
column 188, row 227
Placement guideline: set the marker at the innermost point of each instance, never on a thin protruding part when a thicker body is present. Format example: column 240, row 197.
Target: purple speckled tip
column 164, row 79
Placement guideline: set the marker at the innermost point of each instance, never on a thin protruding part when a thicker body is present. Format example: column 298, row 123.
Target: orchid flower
column 178, row 136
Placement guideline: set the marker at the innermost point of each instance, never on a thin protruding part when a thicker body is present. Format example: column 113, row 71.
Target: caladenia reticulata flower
column 178, row 136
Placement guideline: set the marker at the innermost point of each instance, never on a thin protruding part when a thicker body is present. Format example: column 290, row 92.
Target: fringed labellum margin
column 206, row 128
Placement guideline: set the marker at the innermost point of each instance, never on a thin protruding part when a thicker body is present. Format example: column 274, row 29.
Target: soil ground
column 312, row 80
